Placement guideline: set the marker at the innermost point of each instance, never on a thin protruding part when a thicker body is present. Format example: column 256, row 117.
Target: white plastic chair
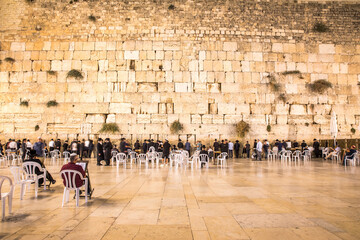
column 351, row 158
column 133, row 157
column 158, row 158
column 120, row 158
column 336, row 156
column 70, row 184
column 296, row 155
column 8, row 195
column 20, row 180
column 179, row 160
column 204, row 158
column 222, row 159
column 172, row 159
column 271, row 155
column 143, row 159
column 3, row 159
column 152, row 149
column 113, row 157
column 193, row 160
column 15, row 160
column 307, row 155
column 66, row 157
column 54, row 156
column 325, row 152
column 30, row 174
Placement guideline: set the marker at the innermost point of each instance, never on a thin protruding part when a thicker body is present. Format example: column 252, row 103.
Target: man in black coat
column 180, row 144
column 37, row 170
column 100, row 151
column 237, row 148
column 144, row 146
column 58, row 144
column 23, row 148
column 107, row 149
column 316, row 146
column 166, row 151
column 122, row 145
column 91, row 148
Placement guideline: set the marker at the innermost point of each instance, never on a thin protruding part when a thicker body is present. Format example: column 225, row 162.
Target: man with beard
column 107, row 149
column 100, row 152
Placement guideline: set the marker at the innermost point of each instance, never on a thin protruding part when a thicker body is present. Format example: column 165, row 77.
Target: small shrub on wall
column 319, row 86
column 109, row 128
column 242, row 128
column 52, row 103
column 75, row 74
column 176, row 127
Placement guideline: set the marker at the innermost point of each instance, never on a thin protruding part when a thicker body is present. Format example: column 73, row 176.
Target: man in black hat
column 107, row 149
column 37, row 170
column 166, row 152
column 316, row 146
column 180, row 144
column 100, row 151
column 237, row 148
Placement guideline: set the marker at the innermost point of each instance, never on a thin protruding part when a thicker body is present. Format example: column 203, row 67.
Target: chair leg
column 86, row 191
column 22, row 191
column 10, row 202
column 36, row 187
column 64, row 197
column 77, row 197
column 67, row 195
column 3, row 209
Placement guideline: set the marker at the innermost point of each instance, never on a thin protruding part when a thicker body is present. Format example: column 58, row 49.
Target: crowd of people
column 104, row 148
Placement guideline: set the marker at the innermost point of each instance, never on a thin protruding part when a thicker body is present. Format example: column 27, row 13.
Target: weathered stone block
column 120, row 107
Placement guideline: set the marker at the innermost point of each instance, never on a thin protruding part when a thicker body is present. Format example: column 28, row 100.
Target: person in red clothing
column 73, row 166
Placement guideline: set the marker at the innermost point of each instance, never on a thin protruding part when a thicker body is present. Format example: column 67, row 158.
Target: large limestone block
column 126, row 118
column 95, row 118
column 17, row 46
column 90, row 65
column 81, row 55
column 159, row 118
column 181, row 87
column 143, row 118
column 207, row 119
column 326, row 48
column 147, row 87
column 120, row 107
column 298, row 110
column 149, row 108
column 91, row 108
column 199, row 108
column 218, row 119
column 232, row 119
column 226, row 108
column 213, row 87
column 134, row 55
column 230, row 46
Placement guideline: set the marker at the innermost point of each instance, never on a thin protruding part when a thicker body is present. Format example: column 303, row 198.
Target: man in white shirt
column 52, row 145
column 28, row 144
column 13, row 145
column 259, row 147
column 231, row 149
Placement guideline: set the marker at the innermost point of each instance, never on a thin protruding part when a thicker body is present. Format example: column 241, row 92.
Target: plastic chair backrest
column 204, row 157
column 30, row 168
column 185, row 154
column 17, row 173
column 223, row 155
column 2, row 180
column 142, row 156
column 152, row 149
column 70, row 178
column 121, row 157
column 66, row 154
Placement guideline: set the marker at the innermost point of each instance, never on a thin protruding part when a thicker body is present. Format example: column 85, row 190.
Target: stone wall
column 208, row 64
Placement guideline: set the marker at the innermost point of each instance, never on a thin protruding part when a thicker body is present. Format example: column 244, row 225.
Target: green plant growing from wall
column 92, row 18
column 176, row 127
column 109, row 128
column 52, row 103
column 37, row 127
column 75, row 74
column 353, row 130
column 24, row 103
column 307, row 124
column 171, row 7
column 268, row 128
column 51, row 73
column 319, row 86
column 242, row 128
column 282, row 97
column 293, row 72
column 320, row 27
column 9, row 60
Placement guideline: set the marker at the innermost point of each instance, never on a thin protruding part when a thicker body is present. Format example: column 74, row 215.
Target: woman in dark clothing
column 107, row 149
column 100, row 152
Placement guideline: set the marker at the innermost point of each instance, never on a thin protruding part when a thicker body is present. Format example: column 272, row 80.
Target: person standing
column 247, row 148
column 166, row 152
column 100, row 151
column 23, row 149
column 144, row 147
column 303, row 145
column 137, row 146
column 237, row 148
column 216, row 147
column 1, row 148
column 38, row 147
column 266, row 148
column 107, row 149
column 259, row 147
column 122, row 145
column 188, row 146
column 180, row 145
column 316, row 146
column 58, row 144
column 66, row 146
column 231, row 149
column 91, row 148
column 51, row 145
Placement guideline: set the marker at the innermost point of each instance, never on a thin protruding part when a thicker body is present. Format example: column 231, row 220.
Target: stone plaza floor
column 246, row 200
